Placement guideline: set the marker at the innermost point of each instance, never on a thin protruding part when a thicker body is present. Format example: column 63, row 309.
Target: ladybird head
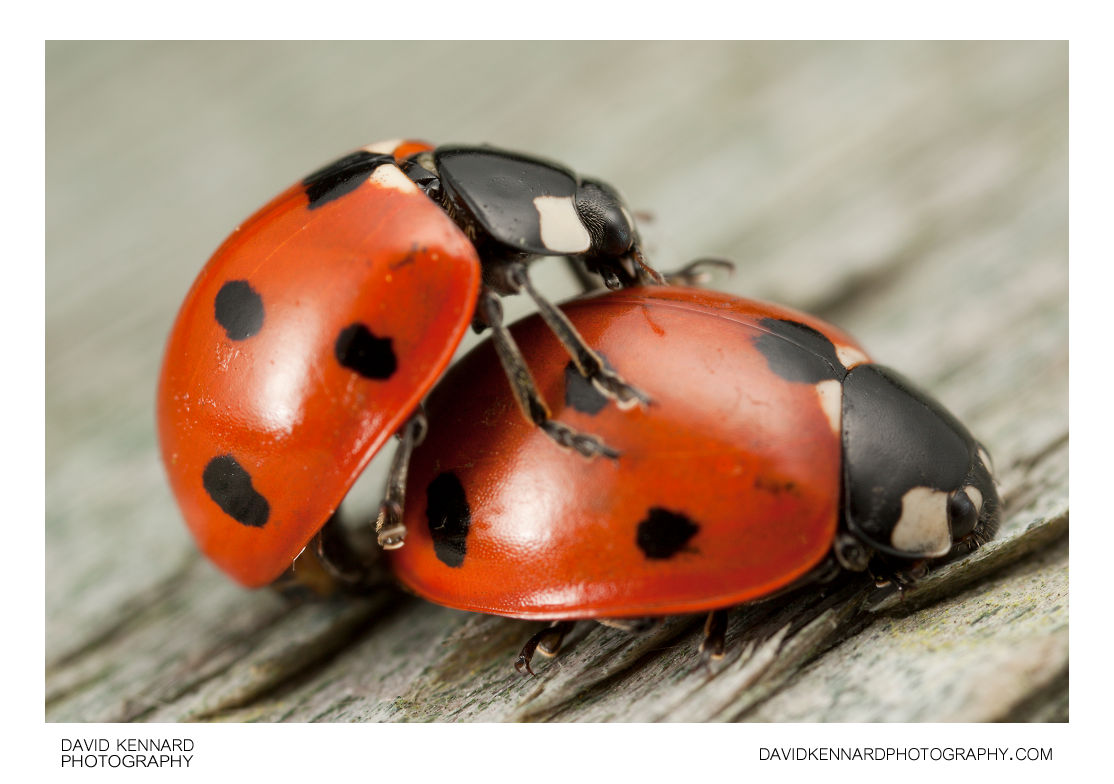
column 515, row 205
column 606, row 217
column 917, row 485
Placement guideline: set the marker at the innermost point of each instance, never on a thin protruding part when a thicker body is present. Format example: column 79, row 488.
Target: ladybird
column 776, row 452
column 316, row 329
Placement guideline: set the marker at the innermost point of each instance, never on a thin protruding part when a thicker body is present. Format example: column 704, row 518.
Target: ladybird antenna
column 644, row 266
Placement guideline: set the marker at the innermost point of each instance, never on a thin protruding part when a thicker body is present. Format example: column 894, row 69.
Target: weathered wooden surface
column 915, row 194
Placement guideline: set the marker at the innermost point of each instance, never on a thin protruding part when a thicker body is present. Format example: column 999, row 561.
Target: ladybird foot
column 546, row 642
column 611, row 384
column 522, row 665
column 715, row 633
column 581, row 443
column 389, row 528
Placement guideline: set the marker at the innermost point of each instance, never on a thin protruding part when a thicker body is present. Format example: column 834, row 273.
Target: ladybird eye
column 962, row 515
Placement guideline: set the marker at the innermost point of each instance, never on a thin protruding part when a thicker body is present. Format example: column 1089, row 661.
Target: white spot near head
column 383, row 148
column 392, row 177
column 923, row 527
column 830, row 395
column 849, row 356
column 560, row 226
column 976, row 497
column 985, row 457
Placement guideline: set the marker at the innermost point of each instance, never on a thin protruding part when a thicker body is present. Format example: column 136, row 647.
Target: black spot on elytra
column 580, row 393
column 341, row 177
column 239, row 309
column 663, row 533
column 229, row 485
column 449, row 518
column 797, row 352
column 359, row 350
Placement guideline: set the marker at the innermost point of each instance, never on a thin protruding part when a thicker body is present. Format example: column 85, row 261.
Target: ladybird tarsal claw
column 390, row 531
column 613, row 386
column 581, row 443
column 715, row 631
column 546, row 642
column 611, row 280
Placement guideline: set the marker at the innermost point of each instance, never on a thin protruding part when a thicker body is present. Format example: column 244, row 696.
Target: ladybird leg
column 614, row 273
column 522, row 384
column 340, row 560
column 587, row 278
column 389, row 528
column 587, row 361
column 698, row 272
column 851, row 553
column 632, row 625
column 329, row 564
column 715, row 630
column 546, row 642
column 902, row 579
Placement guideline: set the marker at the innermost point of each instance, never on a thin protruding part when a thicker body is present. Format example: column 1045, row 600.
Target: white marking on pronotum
column 560, row 226
column 383, row 148
column 850, row 356
column 830, row 395
column 975, row 496
column 985, row 457
column 923, row 527
column 392, row 177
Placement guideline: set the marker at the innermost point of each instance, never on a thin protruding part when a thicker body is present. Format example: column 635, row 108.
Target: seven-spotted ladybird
column 317, row 328
column 775, row 452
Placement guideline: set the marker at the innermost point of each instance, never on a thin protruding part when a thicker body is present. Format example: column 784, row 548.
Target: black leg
column 389, row 528
column 887, row 574
column 546, row 642
column 522, row 384
column 331, row 564
column 587, row 361
column 588, row 280
column 715, row 629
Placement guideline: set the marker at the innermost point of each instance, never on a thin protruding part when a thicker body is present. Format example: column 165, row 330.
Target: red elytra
column 727, row 488
column 262, row 429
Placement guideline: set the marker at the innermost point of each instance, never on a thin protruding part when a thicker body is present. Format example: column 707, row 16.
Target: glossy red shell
column 751, row 459
column 301, row 425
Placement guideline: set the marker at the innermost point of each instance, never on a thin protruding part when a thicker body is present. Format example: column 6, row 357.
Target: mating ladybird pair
column 657, row 450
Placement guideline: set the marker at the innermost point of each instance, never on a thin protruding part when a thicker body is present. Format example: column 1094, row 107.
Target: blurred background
column 893, row 188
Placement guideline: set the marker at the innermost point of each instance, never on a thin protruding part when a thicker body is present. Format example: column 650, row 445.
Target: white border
column 519, row 753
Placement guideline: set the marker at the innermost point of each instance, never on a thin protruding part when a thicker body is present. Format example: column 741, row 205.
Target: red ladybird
column 319, row 325
column 774, row 450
